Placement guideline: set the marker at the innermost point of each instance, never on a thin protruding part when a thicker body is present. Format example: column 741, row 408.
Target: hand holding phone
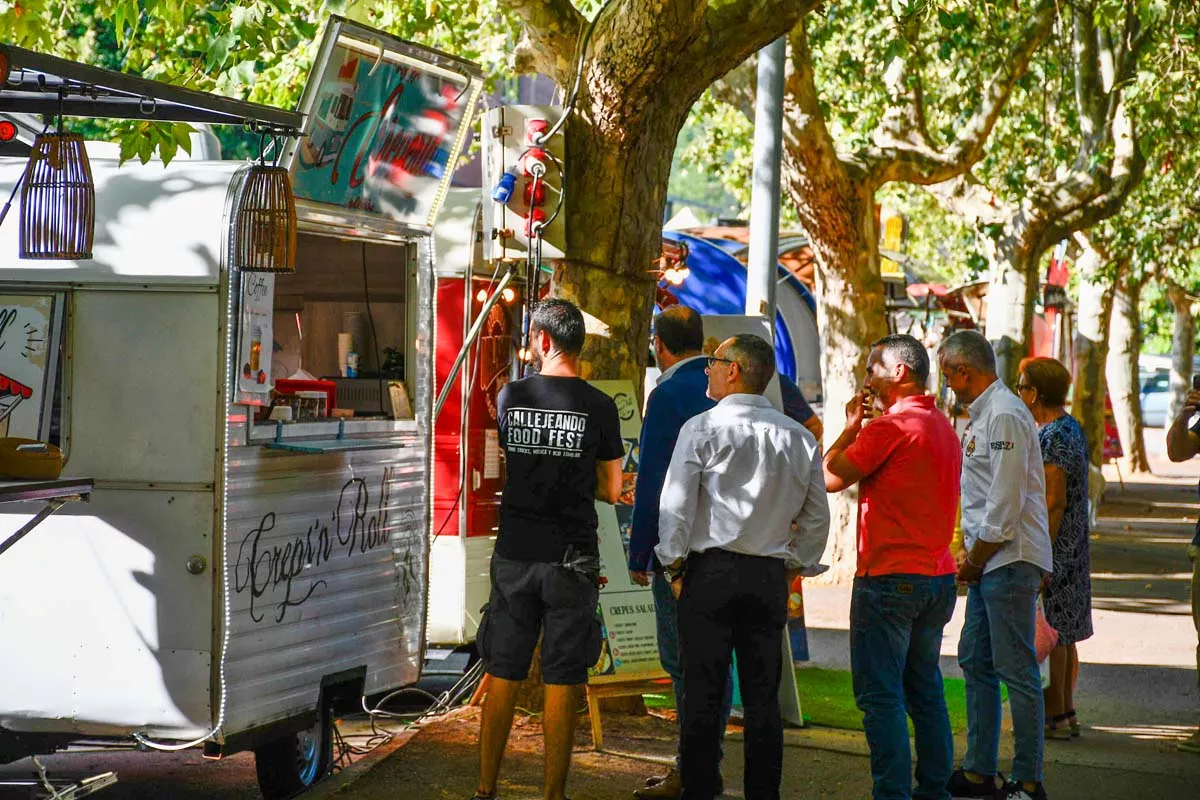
column 1192, row 403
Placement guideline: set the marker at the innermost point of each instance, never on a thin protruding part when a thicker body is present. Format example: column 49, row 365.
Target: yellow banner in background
column 893, row 239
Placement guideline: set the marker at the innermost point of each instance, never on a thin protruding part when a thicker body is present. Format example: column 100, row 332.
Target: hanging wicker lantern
column 58, row 200
column 264, row 222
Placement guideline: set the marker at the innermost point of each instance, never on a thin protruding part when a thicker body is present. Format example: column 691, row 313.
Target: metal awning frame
column 48, row 85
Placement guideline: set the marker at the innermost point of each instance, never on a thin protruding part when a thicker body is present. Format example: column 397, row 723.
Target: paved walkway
column 1137, row 692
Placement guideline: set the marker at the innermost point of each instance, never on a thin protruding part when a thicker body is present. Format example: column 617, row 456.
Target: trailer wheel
column 290, row 764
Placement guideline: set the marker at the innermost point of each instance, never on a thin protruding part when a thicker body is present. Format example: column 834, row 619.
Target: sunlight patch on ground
column 1153, row 732
column 1141, row 576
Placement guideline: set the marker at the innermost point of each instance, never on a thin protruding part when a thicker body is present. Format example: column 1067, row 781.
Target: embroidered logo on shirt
column 1002, row 445
column 970, row 451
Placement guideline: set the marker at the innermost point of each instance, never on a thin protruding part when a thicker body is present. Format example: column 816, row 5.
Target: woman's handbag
column 1045, row 636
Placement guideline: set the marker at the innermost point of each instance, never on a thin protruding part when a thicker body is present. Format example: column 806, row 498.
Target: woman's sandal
column 1057, row 728
column 1071, row 718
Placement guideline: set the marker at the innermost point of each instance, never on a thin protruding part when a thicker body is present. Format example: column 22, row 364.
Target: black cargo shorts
column 527, row 598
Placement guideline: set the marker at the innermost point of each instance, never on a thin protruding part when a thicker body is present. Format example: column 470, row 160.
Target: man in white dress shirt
column 743, row 510
column 1006, row 533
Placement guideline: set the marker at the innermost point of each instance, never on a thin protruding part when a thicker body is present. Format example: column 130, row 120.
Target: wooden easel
column 602, row 686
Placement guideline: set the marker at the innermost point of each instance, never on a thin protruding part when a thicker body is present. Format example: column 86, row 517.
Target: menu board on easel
column 626, row 609
column 30, row 337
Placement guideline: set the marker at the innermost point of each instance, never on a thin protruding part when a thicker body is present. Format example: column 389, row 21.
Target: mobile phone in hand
column 1196, row 381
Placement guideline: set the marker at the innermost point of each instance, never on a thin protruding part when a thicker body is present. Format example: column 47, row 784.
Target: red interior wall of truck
column 490, row 365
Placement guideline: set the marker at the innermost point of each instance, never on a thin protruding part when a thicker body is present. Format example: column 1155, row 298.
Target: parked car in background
column 1155, row 392
column 1154, row 387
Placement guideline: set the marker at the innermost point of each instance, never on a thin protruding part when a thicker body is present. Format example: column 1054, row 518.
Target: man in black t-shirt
column 563, row 451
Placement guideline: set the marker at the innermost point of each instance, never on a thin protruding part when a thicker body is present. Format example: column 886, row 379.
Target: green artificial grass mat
column 827, row 699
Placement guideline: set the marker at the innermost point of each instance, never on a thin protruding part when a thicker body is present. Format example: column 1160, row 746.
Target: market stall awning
column 36, row 83
column 923, row 290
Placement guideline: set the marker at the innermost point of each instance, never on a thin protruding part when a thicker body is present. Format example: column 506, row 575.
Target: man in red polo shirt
column 906, row 462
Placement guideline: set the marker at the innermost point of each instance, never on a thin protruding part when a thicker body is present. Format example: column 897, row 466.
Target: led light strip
column 226, row 603
column 464, row 128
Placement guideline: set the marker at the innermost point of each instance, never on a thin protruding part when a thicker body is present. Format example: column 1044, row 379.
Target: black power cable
column 374, row 336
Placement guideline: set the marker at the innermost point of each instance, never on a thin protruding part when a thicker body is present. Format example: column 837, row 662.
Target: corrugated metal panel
column 327, row 561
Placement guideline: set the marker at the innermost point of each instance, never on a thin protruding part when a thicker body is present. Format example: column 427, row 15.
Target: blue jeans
column 896, row 624
column 666, row 613
column 998, row 645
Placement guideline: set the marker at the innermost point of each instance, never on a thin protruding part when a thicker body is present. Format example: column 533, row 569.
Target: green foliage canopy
column 256, row 50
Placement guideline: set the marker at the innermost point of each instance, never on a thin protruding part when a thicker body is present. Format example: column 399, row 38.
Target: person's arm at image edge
column 1182, row 442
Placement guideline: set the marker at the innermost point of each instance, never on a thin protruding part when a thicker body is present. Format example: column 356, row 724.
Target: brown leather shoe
column 669, row 788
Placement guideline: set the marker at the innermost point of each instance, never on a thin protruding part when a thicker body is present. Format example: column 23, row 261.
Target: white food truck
column 235, row 580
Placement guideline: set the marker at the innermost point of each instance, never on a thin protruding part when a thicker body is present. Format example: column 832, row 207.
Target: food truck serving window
column 385, row 123
column 330, row 339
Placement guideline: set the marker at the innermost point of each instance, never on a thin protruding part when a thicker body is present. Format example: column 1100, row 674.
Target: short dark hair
column 970, row 348
column 680, row 329
column 756, row 358
column 1049, row 378
column 563, row 323
column 909, row 352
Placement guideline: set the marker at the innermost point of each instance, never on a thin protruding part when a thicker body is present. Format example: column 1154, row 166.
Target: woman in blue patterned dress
column 1043, row 385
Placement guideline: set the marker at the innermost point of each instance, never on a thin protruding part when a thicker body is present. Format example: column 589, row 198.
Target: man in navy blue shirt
column 796, row 407
column 681, row 394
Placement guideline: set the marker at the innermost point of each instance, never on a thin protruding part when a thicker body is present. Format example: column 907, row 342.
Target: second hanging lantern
column 264, row 221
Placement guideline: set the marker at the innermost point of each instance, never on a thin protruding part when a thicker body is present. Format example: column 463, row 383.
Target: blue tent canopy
column 717, row 285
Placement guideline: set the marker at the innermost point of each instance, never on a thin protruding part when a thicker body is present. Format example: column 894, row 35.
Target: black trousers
column 732, row 603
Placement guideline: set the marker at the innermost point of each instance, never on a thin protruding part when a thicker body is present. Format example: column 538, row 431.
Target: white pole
column 764, row 200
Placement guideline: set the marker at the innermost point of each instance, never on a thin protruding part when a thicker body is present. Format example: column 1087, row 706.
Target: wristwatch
column 675, row 573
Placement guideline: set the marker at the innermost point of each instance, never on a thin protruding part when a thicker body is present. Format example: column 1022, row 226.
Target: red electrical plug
column 536, row 216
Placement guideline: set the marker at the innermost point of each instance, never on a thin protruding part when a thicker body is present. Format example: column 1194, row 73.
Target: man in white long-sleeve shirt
column 1006, row 533
column 743, row 510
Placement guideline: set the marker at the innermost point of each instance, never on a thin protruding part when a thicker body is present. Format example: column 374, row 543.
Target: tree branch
column 971, row 140
column 733, row 30
column 646, row 39
column 806, row 137
column 1134, row 41
column 903, row 121
column 970, row 199
column 911, row 157
column 738, row 88
column 552, row 28
column 1090, row 94
column 1084, row 197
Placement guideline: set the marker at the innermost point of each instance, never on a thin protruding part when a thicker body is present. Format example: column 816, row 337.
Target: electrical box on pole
column 523, row 180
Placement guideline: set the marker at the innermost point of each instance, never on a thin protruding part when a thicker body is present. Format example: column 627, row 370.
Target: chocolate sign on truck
column 382, row 133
